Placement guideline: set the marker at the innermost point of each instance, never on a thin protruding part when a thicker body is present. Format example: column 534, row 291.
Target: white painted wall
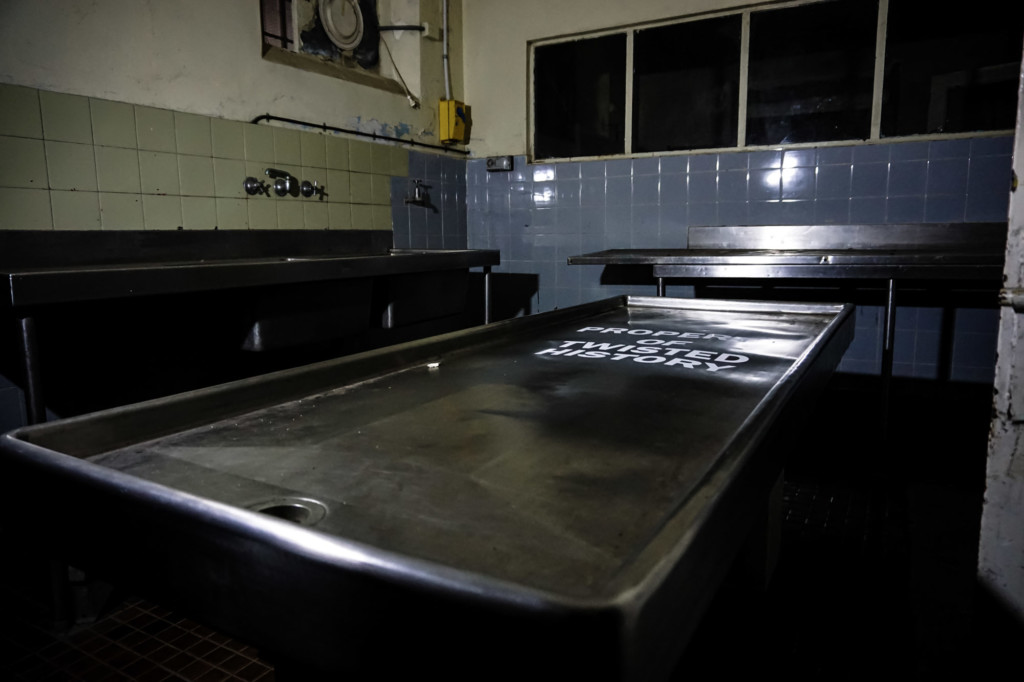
column 200, row 56
column 495, row 36
column 1001, row 545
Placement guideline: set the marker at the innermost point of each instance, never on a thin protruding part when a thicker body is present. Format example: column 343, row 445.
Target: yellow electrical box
column 454, row 117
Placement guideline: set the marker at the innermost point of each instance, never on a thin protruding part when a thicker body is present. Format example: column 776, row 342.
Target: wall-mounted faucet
column 420, row 196
column 284, row 182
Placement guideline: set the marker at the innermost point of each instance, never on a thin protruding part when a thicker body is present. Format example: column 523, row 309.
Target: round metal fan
column 343, row 22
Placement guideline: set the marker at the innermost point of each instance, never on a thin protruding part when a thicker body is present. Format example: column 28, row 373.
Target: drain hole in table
column 289, row 512
column 304, row 512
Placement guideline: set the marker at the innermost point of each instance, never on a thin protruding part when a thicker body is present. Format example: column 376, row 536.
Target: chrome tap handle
column 284, row 182
column 253, row 187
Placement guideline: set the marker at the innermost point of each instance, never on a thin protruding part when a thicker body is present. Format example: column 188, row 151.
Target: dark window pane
column 686, row 85
column 580, row 97
column 277, row 15
column 811, row 72
column 951, row 72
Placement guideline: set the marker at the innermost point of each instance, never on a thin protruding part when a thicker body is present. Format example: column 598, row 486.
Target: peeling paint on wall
column 399, row 130
column 1001, row 542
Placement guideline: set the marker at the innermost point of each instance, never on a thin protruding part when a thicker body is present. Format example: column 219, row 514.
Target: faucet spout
column 420, row 196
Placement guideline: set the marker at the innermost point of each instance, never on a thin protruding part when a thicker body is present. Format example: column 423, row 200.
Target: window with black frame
column 951, row 72
column 580, row 97
column 810, row 77
column 276, row 17
column 811, row 73
column 686, row 84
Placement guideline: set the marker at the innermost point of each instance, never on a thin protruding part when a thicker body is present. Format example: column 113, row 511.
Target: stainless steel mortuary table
column 556, row 495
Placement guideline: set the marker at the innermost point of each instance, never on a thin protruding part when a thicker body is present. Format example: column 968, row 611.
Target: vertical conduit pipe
column 444, row 52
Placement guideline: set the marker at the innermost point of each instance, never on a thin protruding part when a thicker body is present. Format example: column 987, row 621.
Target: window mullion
column 741, row 127
column 876, row 94
column 629, row 93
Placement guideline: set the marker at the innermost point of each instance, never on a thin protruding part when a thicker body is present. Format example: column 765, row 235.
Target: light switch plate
column 499, row 163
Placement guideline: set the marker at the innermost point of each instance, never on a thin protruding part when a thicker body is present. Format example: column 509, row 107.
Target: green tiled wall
column 81, row 163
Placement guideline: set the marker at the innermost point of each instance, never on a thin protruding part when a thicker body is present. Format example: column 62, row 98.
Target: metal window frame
column 745, row 12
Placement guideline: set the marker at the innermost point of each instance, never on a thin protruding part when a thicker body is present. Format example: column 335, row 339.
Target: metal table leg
column 62, row 613
column 487, row 294
column 889, row 328
column 35, row 406
column 888, row 339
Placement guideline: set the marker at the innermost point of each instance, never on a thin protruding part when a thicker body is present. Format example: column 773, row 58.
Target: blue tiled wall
column 442, row 223
column 538, row 215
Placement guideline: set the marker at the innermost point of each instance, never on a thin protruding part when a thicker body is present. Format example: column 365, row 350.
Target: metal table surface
column 560, row 492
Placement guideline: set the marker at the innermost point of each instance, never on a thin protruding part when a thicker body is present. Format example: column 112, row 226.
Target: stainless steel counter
column 801, row 264
column 57, row 284
column 40, row 271
column 888, row 253
column 561, row 492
